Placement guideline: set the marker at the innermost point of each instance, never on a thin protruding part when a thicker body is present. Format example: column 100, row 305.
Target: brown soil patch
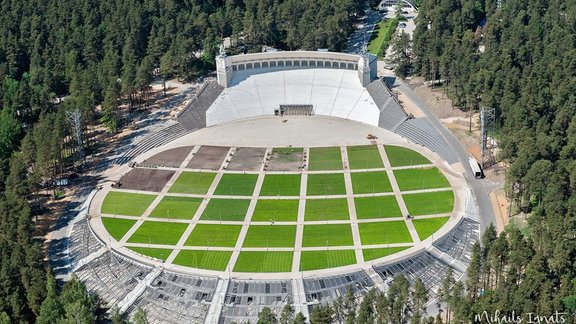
column 169, row 158
column 286, row 161
column 209, row 157
column 247, row 159
column 145, row 179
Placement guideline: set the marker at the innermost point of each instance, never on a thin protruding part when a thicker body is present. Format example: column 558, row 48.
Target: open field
column 327, row 235
column 236, row 184
column 226, row 209
column 281, row 185
column 326, row 184
column 278, row 210
column 201, row 259
column 326, row 209
column 176, row 207
column 428, row 226
column 117, row 227
column 401, row 156
column 370, row 182
column 314, row 260
column 264, row 261
column 381, row 37
column 384, row 233
column 193, row 183
column 372, row 254
column 377, row 207
column 364, row 157
column 124, row 203
column 270, row 236
column 325, row 158
column 214, row 235
column 421, row 178
column 158, row 233
column 160, row 254
column 429, row 203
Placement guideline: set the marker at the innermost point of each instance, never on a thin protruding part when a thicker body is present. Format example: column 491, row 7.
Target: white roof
column 257, row 92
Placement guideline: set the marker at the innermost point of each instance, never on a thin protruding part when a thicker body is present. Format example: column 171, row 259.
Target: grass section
column 281, row 185
column 370, row 182
column 401, row 156
column 384, row 233
column 326, row 184
column 377, row 207
column 193, row 183
column 364, row 157
column 270, row 236
column 236, row 184
column 160, row 254
column 381, row 36
column 278, row 210
column 430, row 203
column 327, row 235
column 264, row 261
column 176, row 207
column 287, row 154
column 325, row 158
column 326, row 209
column 314, row 260
column 210, row 260
column 158, row 233
column 214, row 235
column 428, row 226
column 117, row 227
column 226, row 209
column 124, row 203
column 372, row 254
column 422, row 178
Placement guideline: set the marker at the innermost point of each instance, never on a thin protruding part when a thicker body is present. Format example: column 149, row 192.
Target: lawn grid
column 125, row 203
column 160, row 254
column 420, row 178
column 384, row 233
column 327, row 235
column 193, row 183
column 428, row 226
column 325, row 158
column 214, row 235
column 377, row 207
column 202, row 259
column 370, row 182
column 326, row 184
column 158, row 233
column 281, row 185
column 176, row 207
column 326, row 209
column 235, row 184
column 226, row 209
column 401, row 156
column 264, row 261
column 364, row 157
column 372, row 254
column 314, row 260
column 117, row 227
column 429, row 203
column 278, row 210
column 270, row 236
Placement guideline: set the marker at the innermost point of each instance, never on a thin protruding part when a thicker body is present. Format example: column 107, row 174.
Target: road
column 359, row 39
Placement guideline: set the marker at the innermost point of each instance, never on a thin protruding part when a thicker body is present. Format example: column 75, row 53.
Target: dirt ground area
column 247, row 159
column 169, row 158
column 286, row 160
column 145, row 179
column 209, row 157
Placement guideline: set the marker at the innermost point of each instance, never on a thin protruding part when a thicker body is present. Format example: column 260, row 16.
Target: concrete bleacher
column 194, row 115
column 391, row 112
column 176, row 298
column 421, row 131
column 246, row 298
column 423, row 265
column 82, row 242
column 458, row 242
column 327, row 289
column 112, row 276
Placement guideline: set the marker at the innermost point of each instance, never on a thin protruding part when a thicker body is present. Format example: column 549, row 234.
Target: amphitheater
column 232, row 127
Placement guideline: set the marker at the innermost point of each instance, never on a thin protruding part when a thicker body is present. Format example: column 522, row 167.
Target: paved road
column 480, row 187
column 359, row 39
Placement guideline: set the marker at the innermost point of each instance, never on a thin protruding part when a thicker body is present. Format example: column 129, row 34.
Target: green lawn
column 364, row 157
column 124, row 203
column 377, row 207
column 326, row 209
column 226, row 209
column 117, row 227
column 325, row 158
column 427, row 226
column 371, row 254
column 401, row 156
column 370, row 182
column 158, row 233
column 176, row 207
column 327, row 235
column 313, row 260
column 279, row 210
column 214, row 235
column 381, row 36
column 193, row 183
column 281, row 185
column 384, row 233
column 429, row 203
column 210, row 260
column 160, row 254
column 326, row 184
column 264, row 261
column 421, row 178
column 236, row 184
column 270, row 236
